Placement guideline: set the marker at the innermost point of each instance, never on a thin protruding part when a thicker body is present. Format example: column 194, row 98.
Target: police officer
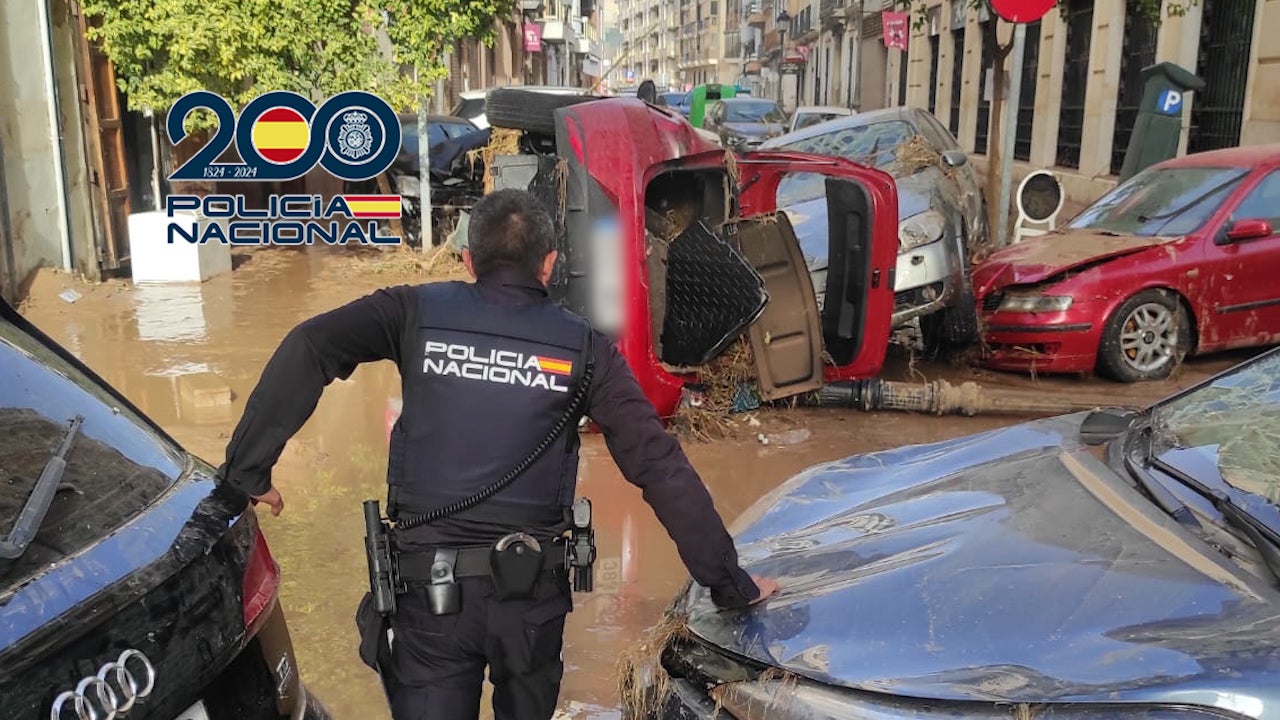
column 486, row 369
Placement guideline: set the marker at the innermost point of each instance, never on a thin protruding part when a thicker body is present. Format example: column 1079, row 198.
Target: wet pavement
column 189, row 355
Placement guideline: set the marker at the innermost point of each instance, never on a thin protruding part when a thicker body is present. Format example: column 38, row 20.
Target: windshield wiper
column 1262, row 536
column 1136, row 458
column 41, row 497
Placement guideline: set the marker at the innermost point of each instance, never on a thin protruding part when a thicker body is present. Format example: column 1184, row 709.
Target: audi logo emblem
column 109, row 694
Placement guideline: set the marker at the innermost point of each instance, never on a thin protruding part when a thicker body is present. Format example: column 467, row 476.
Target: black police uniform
column 486, row 370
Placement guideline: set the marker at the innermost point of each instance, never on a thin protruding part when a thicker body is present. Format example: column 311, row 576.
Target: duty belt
column 415, row 565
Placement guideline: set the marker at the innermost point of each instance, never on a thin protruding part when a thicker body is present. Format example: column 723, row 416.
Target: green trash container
column 701, row 94
column 1158, row 128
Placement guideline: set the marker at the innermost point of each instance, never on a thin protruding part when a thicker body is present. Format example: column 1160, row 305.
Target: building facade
column 1081, row 83
column 702, row 43
column 568, row 51
column 650, row 47
column 676, row 43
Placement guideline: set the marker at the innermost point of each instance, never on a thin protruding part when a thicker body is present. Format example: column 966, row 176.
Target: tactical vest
column 482, row 386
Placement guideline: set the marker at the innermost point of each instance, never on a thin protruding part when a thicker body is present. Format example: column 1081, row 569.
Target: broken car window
column 1233, row 422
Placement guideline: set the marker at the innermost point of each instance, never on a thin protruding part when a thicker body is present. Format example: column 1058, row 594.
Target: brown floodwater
column 189, row 355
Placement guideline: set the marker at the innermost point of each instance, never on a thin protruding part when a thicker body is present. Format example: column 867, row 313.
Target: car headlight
column 1035, row 303
column 920, row 229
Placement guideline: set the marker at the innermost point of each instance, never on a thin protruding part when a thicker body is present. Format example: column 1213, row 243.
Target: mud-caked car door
column 835, row 209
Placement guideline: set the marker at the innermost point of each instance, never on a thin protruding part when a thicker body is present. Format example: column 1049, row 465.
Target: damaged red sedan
column 1181, row 259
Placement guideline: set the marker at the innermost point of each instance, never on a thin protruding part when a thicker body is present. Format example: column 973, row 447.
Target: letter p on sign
column 1169, row 102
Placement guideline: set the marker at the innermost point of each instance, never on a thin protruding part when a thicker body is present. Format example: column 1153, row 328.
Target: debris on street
column 643, row 686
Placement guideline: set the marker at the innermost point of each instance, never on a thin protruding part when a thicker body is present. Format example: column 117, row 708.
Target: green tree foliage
column 163, row 49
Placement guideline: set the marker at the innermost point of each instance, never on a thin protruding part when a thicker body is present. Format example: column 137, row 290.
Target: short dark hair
column 509, row 229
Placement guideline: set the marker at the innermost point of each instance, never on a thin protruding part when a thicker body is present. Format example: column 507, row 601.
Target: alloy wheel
column 1149, row 337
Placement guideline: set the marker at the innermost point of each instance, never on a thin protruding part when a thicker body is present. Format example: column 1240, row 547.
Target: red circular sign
column 1022, row 11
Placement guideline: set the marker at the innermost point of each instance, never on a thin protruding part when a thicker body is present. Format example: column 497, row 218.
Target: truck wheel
column 1146, row 338
column 525, row 110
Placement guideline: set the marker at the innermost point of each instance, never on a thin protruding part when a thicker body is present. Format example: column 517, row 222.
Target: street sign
column 1169, row 103
column 1022, row 11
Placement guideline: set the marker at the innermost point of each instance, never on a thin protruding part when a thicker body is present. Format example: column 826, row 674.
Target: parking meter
column 1158, row 129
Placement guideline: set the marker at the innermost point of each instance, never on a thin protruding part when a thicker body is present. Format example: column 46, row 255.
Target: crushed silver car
column 942, row 217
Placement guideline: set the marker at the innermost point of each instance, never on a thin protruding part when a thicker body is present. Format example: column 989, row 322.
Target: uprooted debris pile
column 913, row 156
column 728, row 385
column 643, row 685
column 502, row 141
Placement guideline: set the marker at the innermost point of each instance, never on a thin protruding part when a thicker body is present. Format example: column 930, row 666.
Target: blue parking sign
column 1169, row 103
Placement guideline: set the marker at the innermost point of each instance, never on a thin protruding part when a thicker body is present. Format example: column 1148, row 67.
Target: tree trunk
column 995, row 213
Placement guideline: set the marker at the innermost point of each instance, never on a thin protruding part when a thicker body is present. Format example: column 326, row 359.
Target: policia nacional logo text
column 504, row 367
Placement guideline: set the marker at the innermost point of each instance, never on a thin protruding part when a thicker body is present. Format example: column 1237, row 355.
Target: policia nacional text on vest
column 523, row 372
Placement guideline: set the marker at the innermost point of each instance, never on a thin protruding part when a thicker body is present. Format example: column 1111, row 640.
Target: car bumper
column 926, row 280
column 685, row 701
column 1047, row 343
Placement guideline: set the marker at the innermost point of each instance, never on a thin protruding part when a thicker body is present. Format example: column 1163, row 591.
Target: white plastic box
column 154, row 260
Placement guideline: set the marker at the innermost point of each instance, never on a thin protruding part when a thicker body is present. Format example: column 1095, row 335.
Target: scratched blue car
column 1099, row 566
column 132, row 585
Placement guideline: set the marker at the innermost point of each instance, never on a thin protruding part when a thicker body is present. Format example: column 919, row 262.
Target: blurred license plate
column 195, row 712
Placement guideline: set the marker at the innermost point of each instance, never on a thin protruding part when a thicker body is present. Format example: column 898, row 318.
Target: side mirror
column 955, row 158
column 1248, row 229
column 1102, row 425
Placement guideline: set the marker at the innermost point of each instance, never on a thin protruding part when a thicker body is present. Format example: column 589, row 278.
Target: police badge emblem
column 355, row 139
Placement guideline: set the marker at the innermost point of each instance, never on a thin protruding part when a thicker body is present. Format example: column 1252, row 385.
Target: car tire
column 1146, row 338
column 951, row 328
column 526, row 110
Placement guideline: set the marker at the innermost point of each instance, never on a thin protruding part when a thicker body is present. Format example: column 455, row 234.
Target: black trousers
column 439, row 660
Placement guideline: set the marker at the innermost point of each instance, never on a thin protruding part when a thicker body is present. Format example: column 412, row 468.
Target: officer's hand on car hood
column 273, row 499
column 767, row 587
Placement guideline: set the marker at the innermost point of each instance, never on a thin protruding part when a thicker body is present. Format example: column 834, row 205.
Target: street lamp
column 784, row 21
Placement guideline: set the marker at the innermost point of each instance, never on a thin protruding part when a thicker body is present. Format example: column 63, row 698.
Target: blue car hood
column 1007, row 566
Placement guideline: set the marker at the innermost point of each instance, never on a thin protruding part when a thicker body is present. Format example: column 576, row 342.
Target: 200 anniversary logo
column 282, row 136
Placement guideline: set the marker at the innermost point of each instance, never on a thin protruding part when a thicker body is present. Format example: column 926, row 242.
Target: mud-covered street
column 189, row 355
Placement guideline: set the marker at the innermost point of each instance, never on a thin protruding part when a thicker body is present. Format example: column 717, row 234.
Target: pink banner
column 895, row 29
column 532, row 37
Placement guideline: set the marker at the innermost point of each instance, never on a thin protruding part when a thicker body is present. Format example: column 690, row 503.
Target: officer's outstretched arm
column 315, row 352
column 653, row 460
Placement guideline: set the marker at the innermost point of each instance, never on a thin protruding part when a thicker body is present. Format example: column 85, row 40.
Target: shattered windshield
column 1169, row 201
column 753, row 111
column 875, row 144
column 1235, row 423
